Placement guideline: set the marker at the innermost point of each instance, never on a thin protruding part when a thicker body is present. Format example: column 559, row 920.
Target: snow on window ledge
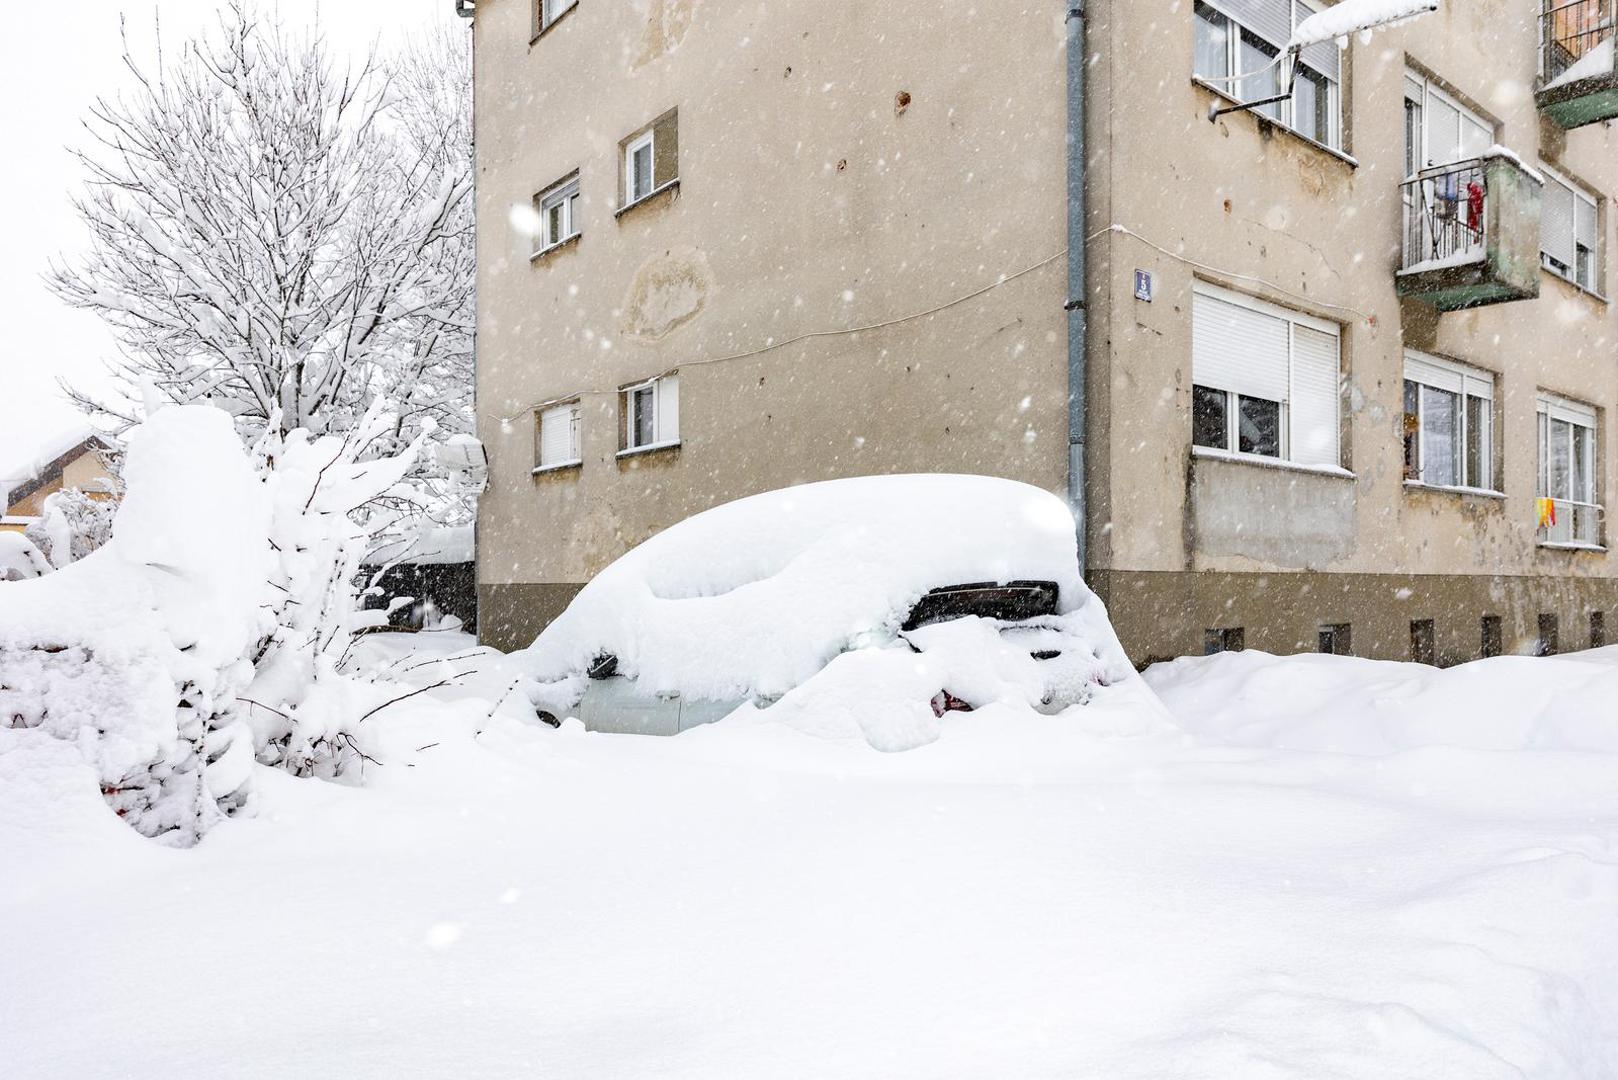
column 1334, row 471
column 650, row 448
column 560, row 466
column 1346, row 158
column 670, row 185
column 1560, row 545
column 552, row 248
column 1454, row 489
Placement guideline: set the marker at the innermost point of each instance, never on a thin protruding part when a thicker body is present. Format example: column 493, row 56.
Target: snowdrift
column 800, row 593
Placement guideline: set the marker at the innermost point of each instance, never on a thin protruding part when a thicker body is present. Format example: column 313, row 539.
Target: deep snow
column 1326, row 868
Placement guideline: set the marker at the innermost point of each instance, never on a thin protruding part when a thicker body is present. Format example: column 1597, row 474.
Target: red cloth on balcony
column 1474, row 205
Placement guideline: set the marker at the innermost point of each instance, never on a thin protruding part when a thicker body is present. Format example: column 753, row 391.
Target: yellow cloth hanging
column 1547, row 513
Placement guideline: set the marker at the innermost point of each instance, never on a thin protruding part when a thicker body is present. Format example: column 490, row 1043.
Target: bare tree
column 283, row 238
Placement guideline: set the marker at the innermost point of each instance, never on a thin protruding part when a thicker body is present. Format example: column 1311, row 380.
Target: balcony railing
column 1471, row 233
column 1575, row 524
column 1578, row 81
column 1445, row 216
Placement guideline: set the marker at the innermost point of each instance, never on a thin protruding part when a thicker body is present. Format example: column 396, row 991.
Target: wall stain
column 666, row 24
column 668, row 291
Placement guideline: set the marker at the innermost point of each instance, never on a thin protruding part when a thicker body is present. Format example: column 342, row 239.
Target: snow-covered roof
column 45, row 459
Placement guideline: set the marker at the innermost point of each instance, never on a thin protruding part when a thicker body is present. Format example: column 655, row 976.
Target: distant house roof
column 52, row 470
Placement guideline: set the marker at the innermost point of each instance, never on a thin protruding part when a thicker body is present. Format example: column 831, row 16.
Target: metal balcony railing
column 1576, row 523
column 1445, row 216
column 1571, row 31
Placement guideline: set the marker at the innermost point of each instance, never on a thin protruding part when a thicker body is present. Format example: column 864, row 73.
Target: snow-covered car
column 923, row 594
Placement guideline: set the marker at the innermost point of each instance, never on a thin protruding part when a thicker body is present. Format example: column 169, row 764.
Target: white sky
column 55, row 59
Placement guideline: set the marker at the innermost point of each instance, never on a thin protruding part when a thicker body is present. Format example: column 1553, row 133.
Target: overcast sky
column 55, row 59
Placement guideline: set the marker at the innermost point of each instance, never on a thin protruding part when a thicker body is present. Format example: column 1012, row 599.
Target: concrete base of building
column 511, row 615
column 1436, row 618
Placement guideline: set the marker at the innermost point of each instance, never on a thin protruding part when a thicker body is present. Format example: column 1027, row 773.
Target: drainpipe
column 1076, row 324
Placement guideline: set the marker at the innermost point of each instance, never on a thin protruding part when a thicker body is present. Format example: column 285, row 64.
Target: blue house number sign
column 1143, row 286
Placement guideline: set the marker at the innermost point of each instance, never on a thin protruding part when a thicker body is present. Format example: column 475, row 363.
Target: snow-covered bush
column 20, row 558
column 138, row 653
column 72, row 525
column 214, row 627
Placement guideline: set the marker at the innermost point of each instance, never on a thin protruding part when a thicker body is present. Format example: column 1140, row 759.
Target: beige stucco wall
column 1269, row 214
column 806, row 204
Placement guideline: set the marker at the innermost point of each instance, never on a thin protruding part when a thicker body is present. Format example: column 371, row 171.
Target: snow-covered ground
column 1321, row 868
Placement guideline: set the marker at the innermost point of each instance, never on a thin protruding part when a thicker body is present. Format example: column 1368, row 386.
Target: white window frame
column 1429, row 92
column 1234, row 28
column 1578, row 417
column 665, row 400
column 1570, row 274
column 570, row 413
column 648, row 142
column 1466, row 382
column 1294, row 320
column 565, row 193
column 551, row 10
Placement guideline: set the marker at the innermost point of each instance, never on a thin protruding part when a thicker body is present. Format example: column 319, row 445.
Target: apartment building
column 1342, row 365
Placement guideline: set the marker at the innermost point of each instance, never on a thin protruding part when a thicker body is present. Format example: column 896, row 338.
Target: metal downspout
column 1076, row 323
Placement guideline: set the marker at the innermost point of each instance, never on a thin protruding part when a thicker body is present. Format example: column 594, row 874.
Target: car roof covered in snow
column 755, row 596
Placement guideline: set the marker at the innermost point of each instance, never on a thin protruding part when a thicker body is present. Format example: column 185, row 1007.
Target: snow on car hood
column 752, row 598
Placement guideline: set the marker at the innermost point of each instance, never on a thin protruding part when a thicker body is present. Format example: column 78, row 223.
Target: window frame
column 568, row 194
column 1577, row 417
column 1431, row 89
column 665, row 432
column 1596, row 284
column 575, row 420
column 646, row 140
column 1286, row 428
column 547, row 13
column 1284, row 111
column 1442, row 375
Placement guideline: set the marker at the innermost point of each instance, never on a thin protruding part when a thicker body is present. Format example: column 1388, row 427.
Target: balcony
column 1471, row 233
column 1578, row 84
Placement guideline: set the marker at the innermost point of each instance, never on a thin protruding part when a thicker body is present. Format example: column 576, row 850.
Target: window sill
column 1565, row 280
column 543, row 30
column 672, row 185
column 1347, row 159
column 560, row 466
column 1446, row 489
column 545, row 252
column 1551, row 545
column 1333, row 471
column 649, row 448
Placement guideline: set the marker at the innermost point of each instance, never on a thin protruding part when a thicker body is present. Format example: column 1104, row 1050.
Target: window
column 1439, row 130
column 548, row 11
column 1494, row 637
column 1265, row 379
column 558, row 436
column 558, row 213
column 1568, row 510
column 1448, row 423
column 1337, row 640
column 651, row 414
column 1423, row 642
column 1598, row 629
column 1230, row 639
column 1236, row 44
column 651, row 160
column 1548, row 643
column 1569, row 228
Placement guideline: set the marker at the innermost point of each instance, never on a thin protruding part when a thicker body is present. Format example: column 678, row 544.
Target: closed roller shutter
column 1326, row 57
column 558, row 444
column 1238, row 349
column 1556, row 224
column 1315, row 366
column 1270, row 19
